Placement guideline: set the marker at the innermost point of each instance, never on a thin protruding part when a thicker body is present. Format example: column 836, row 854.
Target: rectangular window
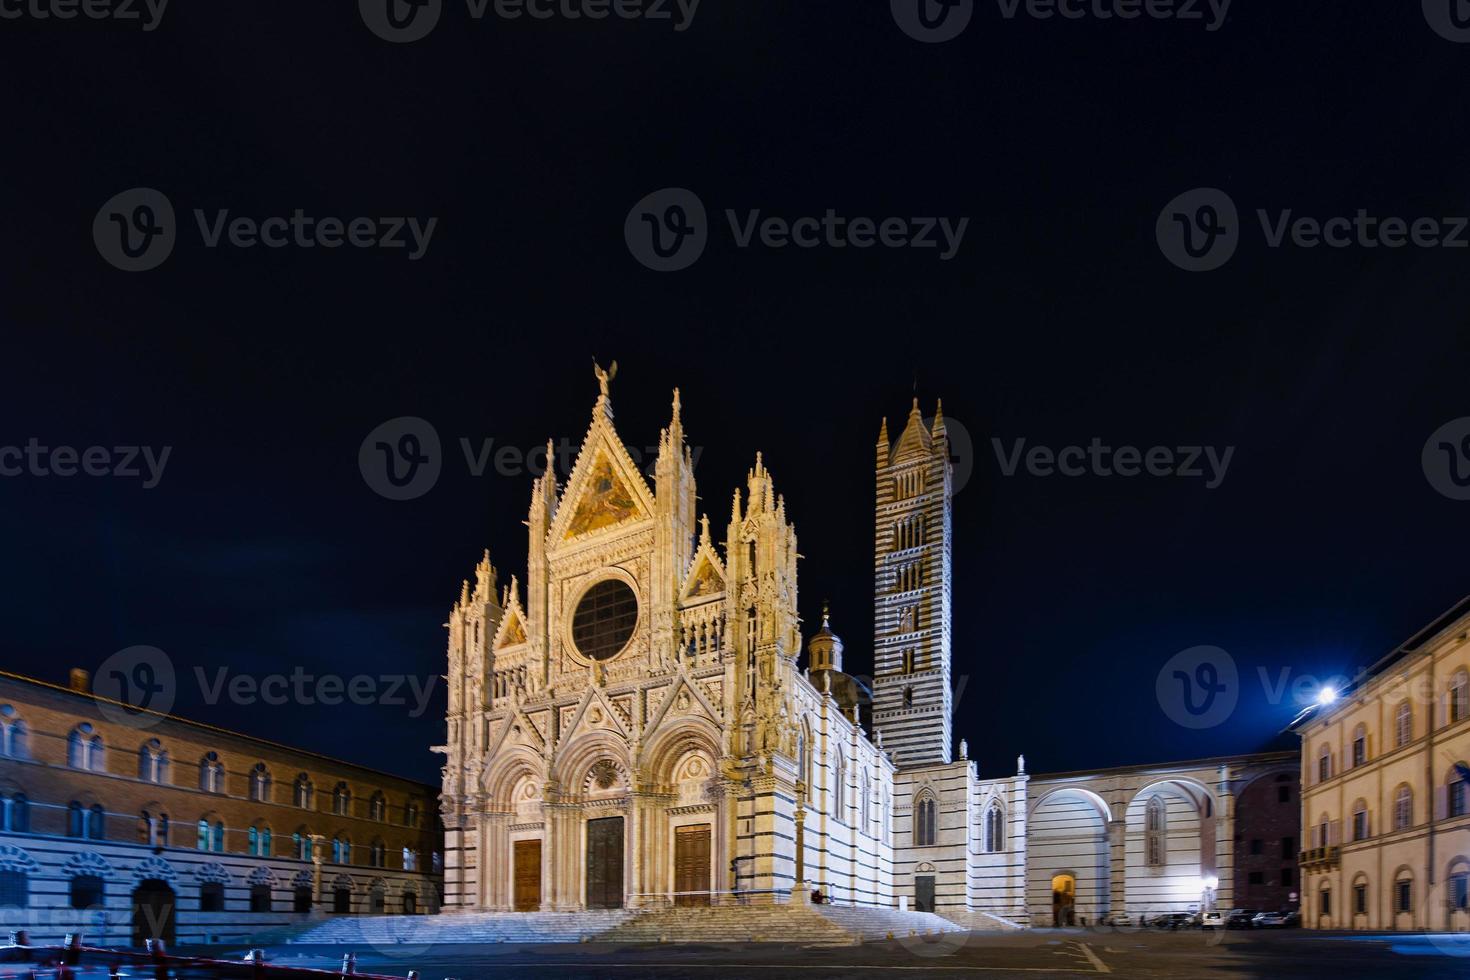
column 1288, row 848
column 1288, row 877
column 1256, row 878
column 260, row 898
column 1326, row 903
column 1257, row 846
column 1324, row 769
column 1460, row 891
column 1402, row 896
column 1360, row 899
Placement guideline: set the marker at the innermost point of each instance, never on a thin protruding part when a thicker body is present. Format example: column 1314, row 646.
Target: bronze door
column 605, row 863
column 923, row 893
column 527, row 875
column 691, row 865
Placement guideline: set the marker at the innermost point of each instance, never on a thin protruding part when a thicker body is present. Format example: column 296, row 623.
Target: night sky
column 263, row 550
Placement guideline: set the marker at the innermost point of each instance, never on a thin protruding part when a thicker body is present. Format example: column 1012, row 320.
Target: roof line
column 93, row 697
column 1173, row 766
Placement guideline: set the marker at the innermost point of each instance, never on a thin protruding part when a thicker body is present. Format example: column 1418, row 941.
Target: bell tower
column 912, row 701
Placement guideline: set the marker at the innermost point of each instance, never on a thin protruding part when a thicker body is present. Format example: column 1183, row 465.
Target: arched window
column 84, row 749
column 13, row 741
column 1324, row 764
column 1360, row 820
column 410, row 859
column 926, row 821
column 85, row 822
column 341, row 800
column 301, row 844
column 410, row 814
column 211, row 773
column 153, row 828
column 1403, row 724
column 378, row 807
column 1155, row 828
column 801, row 762
column 995, row 828
column 1403, row 891
column 15, row 812
column 211, row 834
column 865, row 802
column 1360, row 895
column 839, row 785
column 378, row 854
column 1403, row 808
column 1324, row 901
column 1459, row 889
column 1360, row 745
column 1459, row 696
column 1324, row 832
column 341, row 850
column 302, row 791
column 152, row 762
column 260, row 783
column 1455, row 792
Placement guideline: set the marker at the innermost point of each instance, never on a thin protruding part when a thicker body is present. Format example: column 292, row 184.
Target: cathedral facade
column 632, row 725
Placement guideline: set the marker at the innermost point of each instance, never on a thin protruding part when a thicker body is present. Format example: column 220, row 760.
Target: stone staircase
column 798, row 924
column 463, row 927
column 982, row 921
column 867, row 924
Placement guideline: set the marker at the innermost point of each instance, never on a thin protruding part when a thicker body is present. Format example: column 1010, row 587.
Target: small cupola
column 824, row 649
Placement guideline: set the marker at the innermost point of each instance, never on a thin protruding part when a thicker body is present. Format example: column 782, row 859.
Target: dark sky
column 1059, row 320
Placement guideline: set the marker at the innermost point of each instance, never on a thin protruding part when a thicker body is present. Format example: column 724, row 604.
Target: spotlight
column 1326, row 696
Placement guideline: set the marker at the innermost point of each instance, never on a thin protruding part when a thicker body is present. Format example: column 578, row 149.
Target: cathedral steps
column 734, row 923
column 876, row 924
column 463, row 927
column 981, row 921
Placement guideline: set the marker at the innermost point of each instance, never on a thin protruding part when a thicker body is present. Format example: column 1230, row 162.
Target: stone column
column 1118, row 865
column 1225, row 843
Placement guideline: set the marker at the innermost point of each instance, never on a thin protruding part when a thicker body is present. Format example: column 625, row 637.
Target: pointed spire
column 735, row 508
column 676, row 426
column 938, row 431
column 464, row 593
column 883, row 441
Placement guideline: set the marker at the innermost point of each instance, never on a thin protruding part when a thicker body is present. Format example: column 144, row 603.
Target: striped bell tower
column 911, row 565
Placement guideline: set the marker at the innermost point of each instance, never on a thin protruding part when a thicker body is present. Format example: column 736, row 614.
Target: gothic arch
column 1104, row 813
column 13, row 858
column 86, row 863
column 576, row 760
column 500, row 779
column 155, row 867
column 669, row 746
column 1196, row 792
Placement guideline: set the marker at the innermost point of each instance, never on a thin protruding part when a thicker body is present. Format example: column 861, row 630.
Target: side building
column 126, row 826
column 1384, row 795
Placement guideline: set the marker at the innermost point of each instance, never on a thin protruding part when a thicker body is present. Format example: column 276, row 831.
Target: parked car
column 1211, row 920
column 1276, row 920
column 1241, row 919
column 1172, row 920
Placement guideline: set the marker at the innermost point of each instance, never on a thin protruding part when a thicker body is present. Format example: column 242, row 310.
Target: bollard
column 159, row 952
column 349, row 964
column 413, row 975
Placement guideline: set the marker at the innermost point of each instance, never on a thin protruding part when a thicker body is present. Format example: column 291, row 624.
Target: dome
column 824, row 649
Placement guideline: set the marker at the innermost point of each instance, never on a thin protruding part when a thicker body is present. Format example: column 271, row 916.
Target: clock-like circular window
column 604, row 620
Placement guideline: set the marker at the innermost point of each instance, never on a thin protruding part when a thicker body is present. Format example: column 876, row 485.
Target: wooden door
column 691, row 865
column 605, row 863
column 527, row 875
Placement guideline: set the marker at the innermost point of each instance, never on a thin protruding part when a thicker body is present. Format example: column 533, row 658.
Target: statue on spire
column 604, row 376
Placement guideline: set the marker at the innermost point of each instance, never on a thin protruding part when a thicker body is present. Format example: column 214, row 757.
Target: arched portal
column 153, row 912
column 1170, row 848
column 1067, row 836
